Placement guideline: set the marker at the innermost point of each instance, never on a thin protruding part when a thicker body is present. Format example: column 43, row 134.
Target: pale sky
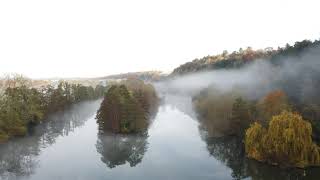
column 89, row 38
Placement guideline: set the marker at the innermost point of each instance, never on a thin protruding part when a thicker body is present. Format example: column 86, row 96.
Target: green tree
column 241, row 116
column 122, row 110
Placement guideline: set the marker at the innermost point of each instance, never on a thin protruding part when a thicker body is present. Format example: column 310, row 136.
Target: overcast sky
column 88, row 38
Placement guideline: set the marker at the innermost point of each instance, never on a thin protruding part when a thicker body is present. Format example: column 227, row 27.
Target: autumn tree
column 214, row 109
column 126, row 107
column 272, row 104
column 287, row 141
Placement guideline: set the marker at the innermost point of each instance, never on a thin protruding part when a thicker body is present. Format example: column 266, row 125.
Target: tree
column 22, row 106
column 272, row 104
column 254, row 135
column 124, row 110
column 241, row 116
column 287, row 141
column 214, row 109
column 311, row 112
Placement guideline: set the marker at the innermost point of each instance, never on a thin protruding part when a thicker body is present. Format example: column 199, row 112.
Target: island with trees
column 127, row 107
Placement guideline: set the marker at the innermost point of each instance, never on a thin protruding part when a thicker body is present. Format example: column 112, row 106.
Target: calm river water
column 69, row 147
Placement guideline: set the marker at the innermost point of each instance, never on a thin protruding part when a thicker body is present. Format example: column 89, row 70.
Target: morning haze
column 159, row 90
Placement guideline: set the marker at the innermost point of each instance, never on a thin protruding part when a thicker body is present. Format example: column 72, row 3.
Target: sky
column 91, row 38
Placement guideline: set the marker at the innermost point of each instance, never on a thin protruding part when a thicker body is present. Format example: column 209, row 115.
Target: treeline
column 278, row 115
column 227, row 113
column 147, row 76
column 22, row 106
column 272, row 128
column 238, row 59
column 127, row 107
column 14, row 153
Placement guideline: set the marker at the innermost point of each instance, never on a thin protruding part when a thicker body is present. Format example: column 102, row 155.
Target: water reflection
column 181, row 102
column 118, row 149
column 230, row 151
column 170, row 149
column 18, row 157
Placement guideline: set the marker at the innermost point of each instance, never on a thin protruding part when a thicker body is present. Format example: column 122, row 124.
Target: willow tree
column 287, row 141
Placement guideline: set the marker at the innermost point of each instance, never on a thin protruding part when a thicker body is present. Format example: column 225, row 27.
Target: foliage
column 242, row 115
column 127, row 107
column 311, row 112
column 145, row 93
column 223, row 113
column 214, row 110
column 22, row 106
column 272, row 104
column 20, row 156
column 287, row 141
column 242, row 57
column 147, row 76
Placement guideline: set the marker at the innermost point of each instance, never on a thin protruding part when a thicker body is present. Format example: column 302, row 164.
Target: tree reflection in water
column 121, row 148
column 230, row 151
column 118, row 149
column 18, row 157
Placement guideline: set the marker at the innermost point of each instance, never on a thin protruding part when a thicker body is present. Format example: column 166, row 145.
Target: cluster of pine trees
column 127, row 107
column 22, row 106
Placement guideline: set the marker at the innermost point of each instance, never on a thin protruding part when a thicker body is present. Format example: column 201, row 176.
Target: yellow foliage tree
column 287, row 141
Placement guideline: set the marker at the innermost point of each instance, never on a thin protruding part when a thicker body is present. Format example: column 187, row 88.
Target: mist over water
column 174, row 147
column 177, row 145
column 255, row 79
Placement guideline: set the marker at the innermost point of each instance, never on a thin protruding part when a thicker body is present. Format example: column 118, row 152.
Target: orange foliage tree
column 272, row 104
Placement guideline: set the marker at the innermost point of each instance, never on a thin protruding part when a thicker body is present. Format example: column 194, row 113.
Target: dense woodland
column 22, row 106
column 240, row 58
column 281, row 126
column 127, row 107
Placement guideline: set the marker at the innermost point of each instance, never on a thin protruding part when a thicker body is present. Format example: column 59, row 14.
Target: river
column 68, row 146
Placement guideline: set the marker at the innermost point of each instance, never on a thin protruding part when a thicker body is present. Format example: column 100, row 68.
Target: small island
column 127, row 107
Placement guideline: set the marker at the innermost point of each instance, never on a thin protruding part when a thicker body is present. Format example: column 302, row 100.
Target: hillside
column 242, row 57
column 144, row 76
